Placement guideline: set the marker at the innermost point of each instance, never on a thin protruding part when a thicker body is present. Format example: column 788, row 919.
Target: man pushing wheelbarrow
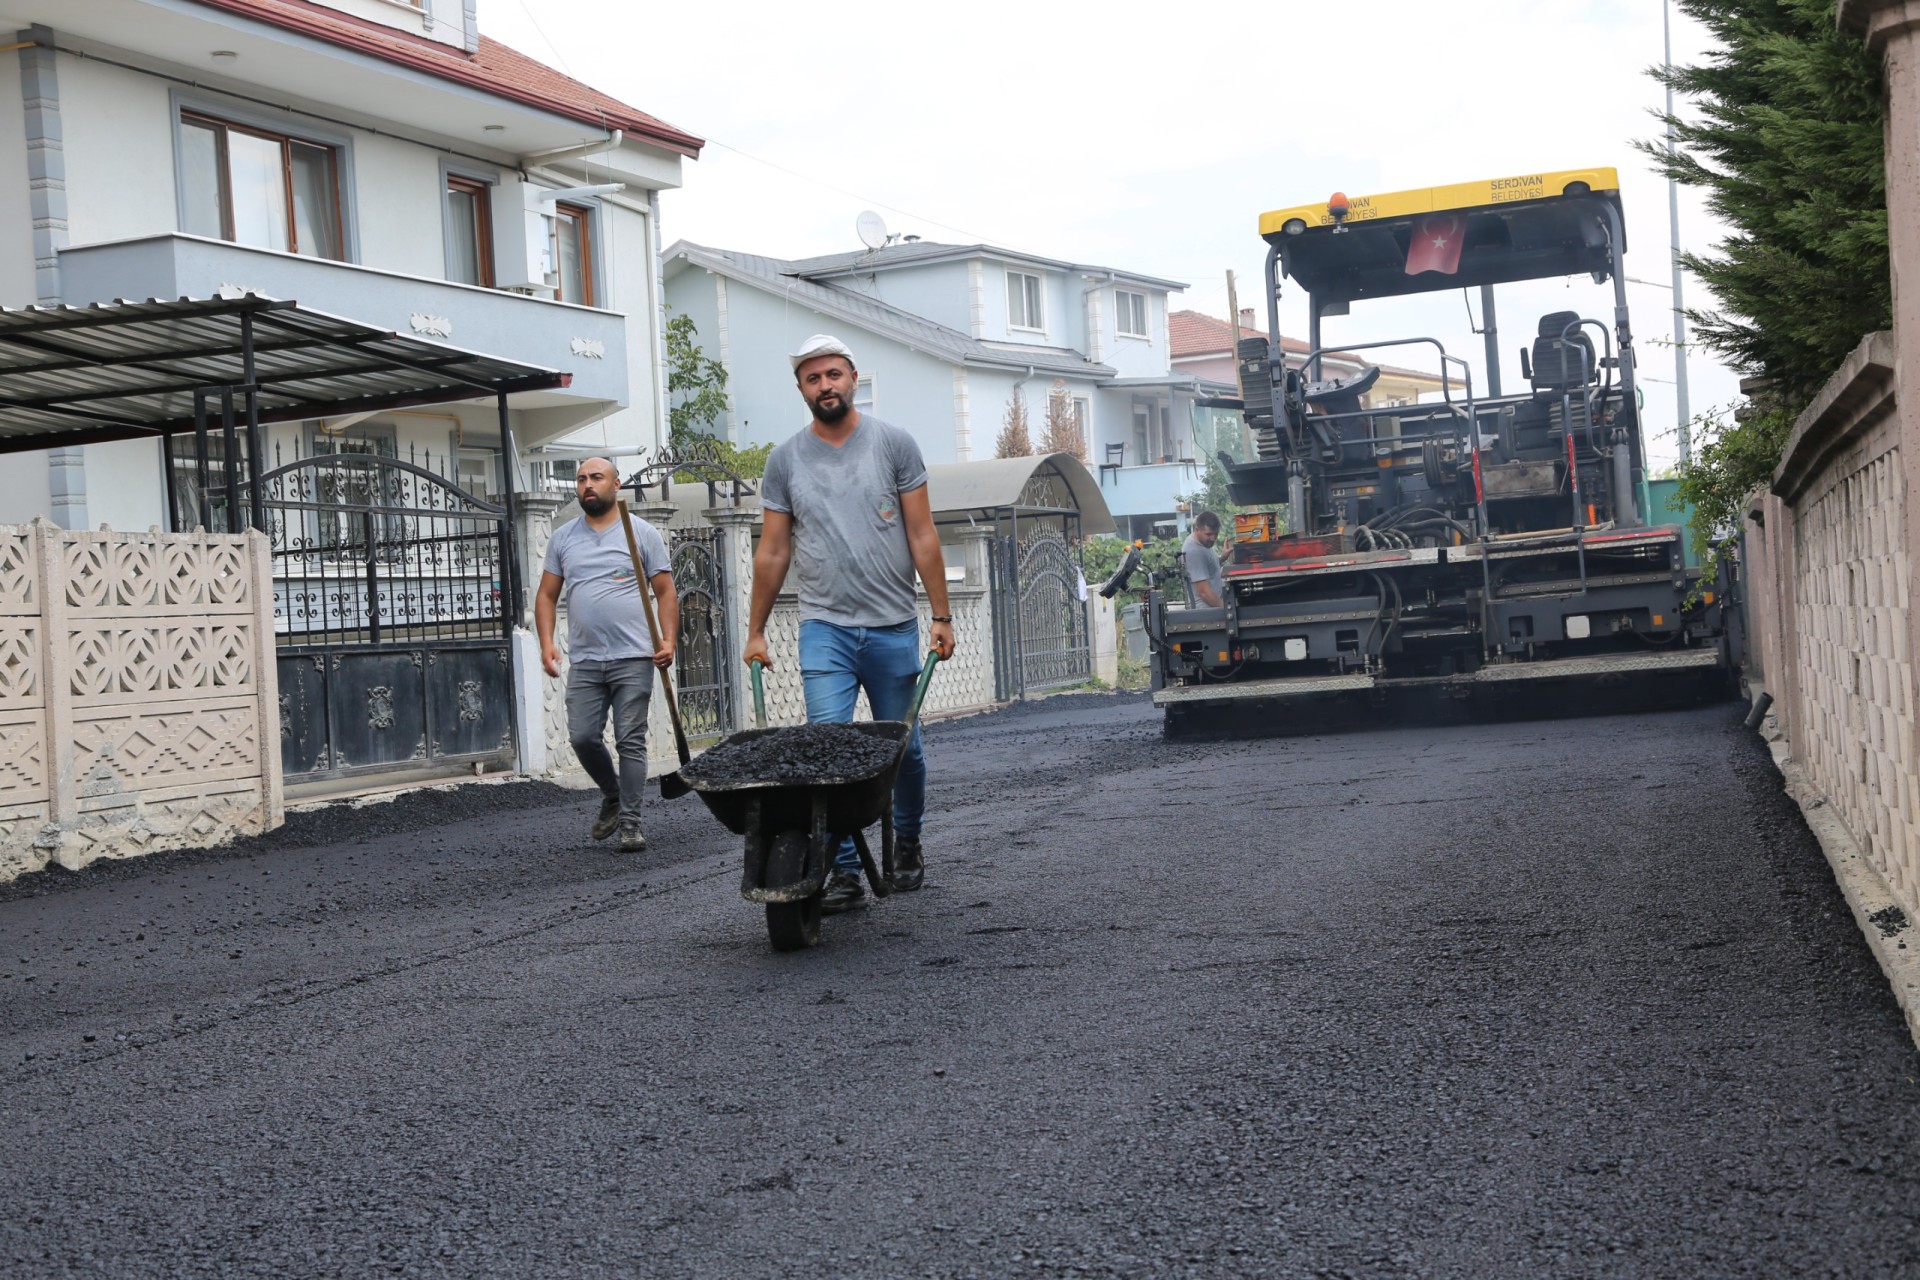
column 846, row 507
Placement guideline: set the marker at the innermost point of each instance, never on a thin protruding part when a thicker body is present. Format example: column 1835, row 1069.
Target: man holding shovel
column 846, row 504
column 611, row 650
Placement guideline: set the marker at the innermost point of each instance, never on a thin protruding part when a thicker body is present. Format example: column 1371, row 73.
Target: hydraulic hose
column 1399, row 609
column 1419, row 518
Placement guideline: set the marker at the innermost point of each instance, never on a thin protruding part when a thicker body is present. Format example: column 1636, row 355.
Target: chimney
column 1246, row 318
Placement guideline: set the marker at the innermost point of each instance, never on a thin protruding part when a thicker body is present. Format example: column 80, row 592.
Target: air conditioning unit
column 522, row 238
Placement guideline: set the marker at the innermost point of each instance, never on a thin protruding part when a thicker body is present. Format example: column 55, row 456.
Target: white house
column 946, row 336
column 378, row 160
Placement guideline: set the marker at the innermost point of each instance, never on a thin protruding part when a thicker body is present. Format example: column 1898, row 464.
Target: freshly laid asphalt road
column 1572, row 998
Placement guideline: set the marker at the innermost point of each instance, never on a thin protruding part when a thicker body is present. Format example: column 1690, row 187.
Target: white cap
column 820, row 344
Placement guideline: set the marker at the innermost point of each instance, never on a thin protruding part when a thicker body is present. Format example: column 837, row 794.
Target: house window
column 863, row 396
column 1083, row 422
column 1130, row 313
column 572, row 277
column 341, row 496
column 469, row 222
column 252, row 186
column 1023, row 301
column 1153, row 432
column 477, row 468
column 189, row 497
column 557, row 475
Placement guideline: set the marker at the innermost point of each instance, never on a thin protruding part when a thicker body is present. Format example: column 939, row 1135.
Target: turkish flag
column 1436, row 244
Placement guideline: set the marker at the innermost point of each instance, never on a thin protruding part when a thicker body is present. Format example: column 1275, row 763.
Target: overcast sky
column 1149, row 143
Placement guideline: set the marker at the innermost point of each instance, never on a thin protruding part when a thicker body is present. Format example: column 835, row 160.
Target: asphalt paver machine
column 1477, row 540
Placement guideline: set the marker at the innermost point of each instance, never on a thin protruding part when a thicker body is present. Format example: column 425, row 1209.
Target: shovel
column 672, row 785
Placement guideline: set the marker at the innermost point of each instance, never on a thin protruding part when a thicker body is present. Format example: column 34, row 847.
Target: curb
column 1861, row 883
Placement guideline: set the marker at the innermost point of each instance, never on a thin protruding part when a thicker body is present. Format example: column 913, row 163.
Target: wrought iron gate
column 701, row 673
column 1040, row 620
column 390, row 592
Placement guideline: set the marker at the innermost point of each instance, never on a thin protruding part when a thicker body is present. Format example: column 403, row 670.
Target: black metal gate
column 391, row 593
column 1040, row 618
column 702, row 675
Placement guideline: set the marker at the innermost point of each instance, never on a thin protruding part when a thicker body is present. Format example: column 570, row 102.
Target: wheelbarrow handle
column 759, row 695
column 920, row 691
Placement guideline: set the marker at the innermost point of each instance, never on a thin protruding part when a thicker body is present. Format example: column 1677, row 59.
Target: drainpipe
column 1019, row 383
column 657, row 315
column 608, row 143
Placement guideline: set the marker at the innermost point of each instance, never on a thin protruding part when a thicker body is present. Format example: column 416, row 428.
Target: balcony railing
column 1151, row 489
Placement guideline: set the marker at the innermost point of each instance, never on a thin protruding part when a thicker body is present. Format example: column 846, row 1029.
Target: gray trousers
column 624, row 686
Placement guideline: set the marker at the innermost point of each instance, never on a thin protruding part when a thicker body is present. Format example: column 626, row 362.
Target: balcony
column 589, row 344
column 1148, row 490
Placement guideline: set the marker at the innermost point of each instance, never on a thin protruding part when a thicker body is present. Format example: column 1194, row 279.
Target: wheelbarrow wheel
column 791, row 926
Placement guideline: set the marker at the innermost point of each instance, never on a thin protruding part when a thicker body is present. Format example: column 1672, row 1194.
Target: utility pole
column 1683, row 411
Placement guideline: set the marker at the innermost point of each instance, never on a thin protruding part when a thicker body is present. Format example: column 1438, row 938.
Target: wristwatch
column 943, row 617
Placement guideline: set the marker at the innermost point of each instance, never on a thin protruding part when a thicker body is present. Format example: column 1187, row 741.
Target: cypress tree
column 1788, row 147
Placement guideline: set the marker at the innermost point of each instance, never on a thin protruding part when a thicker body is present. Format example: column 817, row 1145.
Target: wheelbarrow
column 793, row 829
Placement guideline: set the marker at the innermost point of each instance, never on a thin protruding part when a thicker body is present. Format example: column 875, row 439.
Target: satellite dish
column 872, row 229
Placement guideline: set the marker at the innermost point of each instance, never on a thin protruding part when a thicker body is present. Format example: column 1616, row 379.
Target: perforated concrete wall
column 138, row 701
column 1855, row 728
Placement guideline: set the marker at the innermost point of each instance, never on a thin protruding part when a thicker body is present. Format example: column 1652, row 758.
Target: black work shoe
column 844, row 892
column 607, row 821
column 632, row 839
column 909, row 868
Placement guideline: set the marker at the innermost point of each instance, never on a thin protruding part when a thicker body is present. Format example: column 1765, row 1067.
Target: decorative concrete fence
column 138, row 707
column 1829, row 567
column 1832, row 550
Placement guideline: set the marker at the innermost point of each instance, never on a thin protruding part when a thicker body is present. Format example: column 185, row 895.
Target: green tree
column 696, row 398
column 1099, row 557
column 1787, row 145
column 1218, row 431
column 696, row 386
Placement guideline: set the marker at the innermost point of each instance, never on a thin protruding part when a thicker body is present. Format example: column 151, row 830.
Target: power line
column 552, row 48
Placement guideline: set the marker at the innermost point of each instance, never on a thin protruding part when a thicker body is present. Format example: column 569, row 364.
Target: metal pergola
column 158, row 369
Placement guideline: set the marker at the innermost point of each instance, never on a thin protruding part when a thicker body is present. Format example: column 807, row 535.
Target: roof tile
column 1191, row 333
column 494, row 68
column 780, row 277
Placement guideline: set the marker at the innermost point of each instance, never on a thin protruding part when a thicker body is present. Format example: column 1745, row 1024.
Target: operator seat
column 1340, row 395
column 1561, row 364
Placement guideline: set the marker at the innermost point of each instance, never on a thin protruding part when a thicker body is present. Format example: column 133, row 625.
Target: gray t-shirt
column 1203, row 565
column 850, row 553
column 604, row 616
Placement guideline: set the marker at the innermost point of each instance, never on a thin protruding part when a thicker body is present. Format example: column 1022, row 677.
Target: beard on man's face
column 593, row 504
column 830, row 413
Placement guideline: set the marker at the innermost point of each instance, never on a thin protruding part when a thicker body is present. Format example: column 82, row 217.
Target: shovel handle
column 653, row 634
column 759, row 695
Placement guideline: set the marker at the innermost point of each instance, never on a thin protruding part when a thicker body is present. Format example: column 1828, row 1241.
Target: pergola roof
column 956, row 490
column 129, row 370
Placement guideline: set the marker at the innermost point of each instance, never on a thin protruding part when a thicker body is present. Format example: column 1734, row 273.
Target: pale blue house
column 946, row 336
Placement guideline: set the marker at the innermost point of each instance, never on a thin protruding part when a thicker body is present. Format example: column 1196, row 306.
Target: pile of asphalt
column 801, row 754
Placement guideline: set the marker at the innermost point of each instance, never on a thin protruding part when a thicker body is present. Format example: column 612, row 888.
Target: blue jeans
column 835, row 664
column 625, row 687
